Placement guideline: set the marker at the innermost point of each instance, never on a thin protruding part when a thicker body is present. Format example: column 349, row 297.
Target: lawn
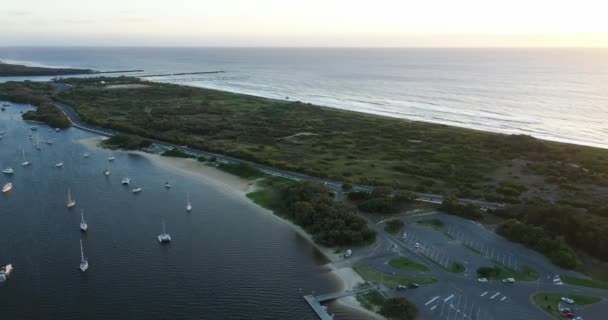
column 585, row 282
column 372, row 300
column 550, row 301
column 407, row 264
column 373, row 276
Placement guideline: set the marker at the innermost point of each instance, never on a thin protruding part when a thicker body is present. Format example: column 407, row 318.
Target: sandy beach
column 238, row 188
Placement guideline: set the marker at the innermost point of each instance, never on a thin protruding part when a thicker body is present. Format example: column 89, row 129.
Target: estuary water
column 556, row 94
column 228, row 260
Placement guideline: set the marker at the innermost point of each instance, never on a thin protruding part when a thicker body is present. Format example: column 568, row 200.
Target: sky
column 312, row 23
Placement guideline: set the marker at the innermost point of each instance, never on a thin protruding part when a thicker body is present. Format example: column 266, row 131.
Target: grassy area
column 457, row 267
column 407, row 264
column 264, row 198
column 176, row 153
column 585, row 282
column 394, row 226
column 372, row 300
column 433, row 223
column 550, row 301
column 373, row 276
column 471, row 248
column 241, row 169
column 500, row 271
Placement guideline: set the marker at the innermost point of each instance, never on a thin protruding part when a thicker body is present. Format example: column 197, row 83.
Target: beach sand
column 238, row 188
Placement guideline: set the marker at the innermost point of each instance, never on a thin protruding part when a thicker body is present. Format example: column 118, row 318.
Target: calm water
column 557, row 94
column 227, row 261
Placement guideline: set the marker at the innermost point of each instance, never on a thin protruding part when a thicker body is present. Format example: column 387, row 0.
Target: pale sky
column 334, row 23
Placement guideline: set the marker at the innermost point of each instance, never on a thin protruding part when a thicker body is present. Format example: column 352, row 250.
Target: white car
column 404, row 235
column 484, row 280
column 417, row 245
column 567, row 300
column 508, row 280
column 348, row 253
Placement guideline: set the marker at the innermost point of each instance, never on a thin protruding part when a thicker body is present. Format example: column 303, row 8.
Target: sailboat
column 8, row 170
column 137, row 190
column 111, row 158
column 59, row 165
column 86, row 154
column 189, row 205
column 37, row 143
column 71, row 202
column 84, row 264
column 126, row 181
column 106, row 172
column 7, row 187
column 167, row 185
column 5, row 271
column 25, row 162
column 164, row 237
column 83, row 224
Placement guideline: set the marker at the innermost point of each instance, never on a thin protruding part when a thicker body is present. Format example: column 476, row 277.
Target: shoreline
column 238, row 188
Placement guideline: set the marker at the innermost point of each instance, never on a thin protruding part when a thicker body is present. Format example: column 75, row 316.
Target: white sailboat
column 164, row 237
column 84, row 264
column 111, row 158
column 167, row 185
column 7, row 187
column 71, row 202
column 8, row 170
column 86, row 154
column 83, row 224
column 25, row 162
column 137, row 190
column 106, row 172
column 126, row 181
column 59, row 165
column 189, row 205
column 5, row 271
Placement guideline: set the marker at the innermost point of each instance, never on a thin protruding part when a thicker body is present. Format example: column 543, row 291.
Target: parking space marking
column 483, row 294
column 433, row 307
column 503, row 298
column 448, row 298
column 494, row 296
column 431, row 301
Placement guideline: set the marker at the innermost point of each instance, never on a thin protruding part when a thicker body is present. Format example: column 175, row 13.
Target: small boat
column 71, row 202
column 50, row 130
column 25, row 162
column 5, row 271
column 84, row 264
column 83, row 224
column 59, row 165
column 167, row 185
column 34, row 128
column 106, row 172
column 137, row 190
column 48, row 141
column 111, row 158
column 126, row 181
column 56, row 129
column 8, row 170
column 164, row 237
column 6, row 104
column 188, row 205
column 7, row 187
column 31, row 137
column 86, row 154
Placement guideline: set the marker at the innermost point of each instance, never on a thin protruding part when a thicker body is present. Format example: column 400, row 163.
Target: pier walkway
column 315, row 301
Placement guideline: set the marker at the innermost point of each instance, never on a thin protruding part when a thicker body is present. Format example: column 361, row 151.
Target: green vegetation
column 554, row 248
column 399, row 308
column 501, row 272
column 13, row 70
column 48, row 114
column 382, row 200
column 393, row 226
column 451, row 205
column 126, row 141
column 407, row 264
column 389, row 280
column 471, row 248
column 372, row 300
column 263, row 198
column 175, row 153
column 457, row 267
column 551, row 229
column 433, row 223
column 241, row 169
column 585, row 282
column 550, row 301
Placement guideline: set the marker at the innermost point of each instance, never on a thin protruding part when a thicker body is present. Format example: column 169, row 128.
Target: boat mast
column 163, row 226
column 81, row 252
column 82, row 214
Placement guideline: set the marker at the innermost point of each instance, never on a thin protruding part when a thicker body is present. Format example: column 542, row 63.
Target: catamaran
column 59, row 165
column 71, row 202
column 8, row 170
column 189, row 205
column 7, row 187
column 164, row 237
column 137, row 190
column 83, row 224
column 84, row 264
column 25, row 162
column 126, row 181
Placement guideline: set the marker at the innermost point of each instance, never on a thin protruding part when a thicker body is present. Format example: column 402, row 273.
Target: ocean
column 554, row 94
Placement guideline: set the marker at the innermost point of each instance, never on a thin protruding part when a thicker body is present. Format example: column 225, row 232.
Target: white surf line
column 483, row 294
column 431, row 301
column 503, row 298
column 494, row 296
column 448, row 298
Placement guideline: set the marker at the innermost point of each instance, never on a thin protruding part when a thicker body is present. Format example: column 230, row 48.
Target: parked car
column 401, row 288
column 567, row 314
column 508, row 280
column 567, row 300
column 413, row 286
column 348, row 253
column 417, row 245
column 404, row 235
column 484, row 280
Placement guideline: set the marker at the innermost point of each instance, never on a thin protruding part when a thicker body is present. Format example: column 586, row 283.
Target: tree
column 399, row 309
column 347, row 187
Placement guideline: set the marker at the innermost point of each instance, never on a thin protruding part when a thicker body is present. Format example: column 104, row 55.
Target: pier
column 315, row 301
